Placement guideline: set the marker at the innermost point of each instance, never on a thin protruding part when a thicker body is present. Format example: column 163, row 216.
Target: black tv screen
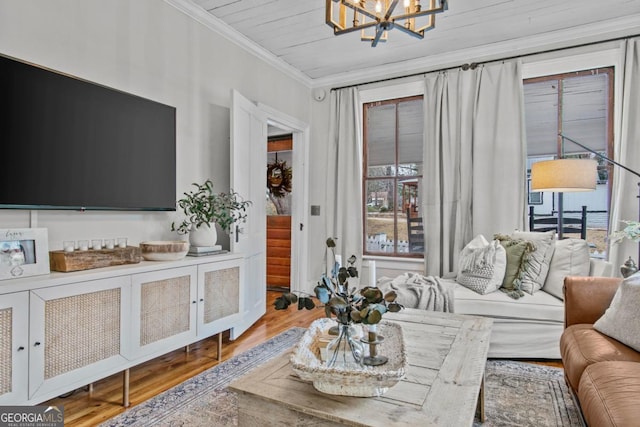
column 72, row 144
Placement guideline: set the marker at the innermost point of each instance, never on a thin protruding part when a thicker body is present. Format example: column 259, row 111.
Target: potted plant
column 202, row 208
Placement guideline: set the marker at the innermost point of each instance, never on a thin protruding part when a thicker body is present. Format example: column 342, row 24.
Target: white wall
column 150, row 49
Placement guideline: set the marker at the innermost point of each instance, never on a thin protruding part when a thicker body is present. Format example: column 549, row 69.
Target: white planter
column 204, row 235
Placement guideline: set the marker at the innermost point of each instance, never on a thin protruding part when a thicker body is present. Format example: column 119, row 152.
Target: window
column 580, row 105
column 392, row 179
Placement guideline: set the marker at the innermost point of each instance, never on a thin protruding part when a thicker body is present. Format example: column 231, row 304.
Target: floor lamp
column 566, row 175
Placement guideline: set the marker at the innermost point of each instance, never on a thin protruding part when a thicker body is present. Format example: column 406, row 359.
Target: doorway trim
column 300, row 194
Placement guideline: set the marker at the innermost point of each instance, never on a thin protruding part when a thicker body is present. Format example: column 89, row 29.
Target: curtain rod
column 473, row 65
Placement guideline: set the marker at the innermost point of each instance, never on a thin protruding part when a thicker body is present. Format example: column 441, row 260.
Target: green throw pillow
column 518, row 252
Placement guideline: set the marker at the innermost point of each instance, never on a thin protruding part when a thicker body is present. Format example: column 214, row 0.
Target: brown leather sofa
column 603, row 373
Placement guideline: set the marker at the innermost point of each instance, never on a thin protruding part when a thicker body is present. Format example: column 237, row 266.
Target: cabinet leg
column 219, row 346
column 125, row 388
column 90, row 390
column 187, row 348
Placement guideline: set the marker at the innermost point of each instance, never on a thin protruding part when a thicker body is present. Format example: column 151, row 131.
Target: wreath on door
column 279, row 177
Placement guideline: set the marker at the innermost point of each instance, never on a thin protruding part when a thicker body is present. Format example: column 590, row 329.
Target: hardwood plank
column 278, row 233
column 279, row 261
column 278, row 281
column 278, row 270
column 282, row 240
column 284, row 144
column 278, row 221
column 279, row 252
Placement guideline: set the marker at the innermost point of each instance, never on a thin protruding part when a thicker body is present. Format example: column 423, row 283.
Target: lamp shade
column 564, row 175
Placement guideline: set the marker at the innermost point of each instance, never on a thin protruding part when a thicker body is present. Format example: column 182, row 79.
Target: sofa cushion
column 541, row 306
column 518, row 253
column 581, row 346
column 536, row 270
column 570, row 258
column 609, row 393
column 481, row 265
column 622, row 319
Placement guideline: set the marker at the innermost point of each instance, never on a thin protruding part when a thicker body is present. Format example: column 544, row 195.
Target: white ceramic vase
column 205, row 235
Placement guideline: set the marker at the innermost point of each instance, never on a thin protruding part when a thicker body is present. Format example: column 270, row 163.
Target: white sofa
column 530, row 327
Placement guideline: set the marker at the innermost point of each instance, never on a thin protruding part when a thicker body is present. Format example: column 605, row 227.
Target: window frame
column 610, row 70
column 395, row 178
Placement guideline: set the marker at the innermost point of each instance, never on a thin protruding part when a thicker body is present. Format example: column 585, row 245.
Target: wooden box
column 86, row 260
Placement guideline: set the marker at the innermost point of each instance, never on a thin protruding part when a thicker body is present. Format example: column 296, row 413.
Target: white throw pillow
column 570, row 258
column 482, row 265
column 535, row 272
column 621, row 321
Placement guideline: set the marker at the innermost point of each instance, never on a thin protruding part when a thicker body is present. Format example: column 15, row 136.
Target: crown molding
column 568, row 38
column 225, row 30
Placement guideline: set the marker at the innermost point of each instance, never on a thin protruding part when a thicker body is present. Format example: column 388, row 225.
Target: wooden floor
column 162, row 373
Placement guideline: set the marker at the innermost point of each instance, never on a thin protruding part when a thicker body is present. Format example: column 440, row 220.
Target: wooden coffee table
column 443, row 386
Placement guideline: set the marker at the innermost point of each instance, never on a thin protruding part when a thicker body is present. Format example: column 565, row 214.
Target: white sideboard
column 62, row 331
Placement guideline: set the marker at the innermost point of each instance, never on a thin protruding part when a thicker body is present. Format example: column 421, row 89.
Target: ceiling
column 292, row 34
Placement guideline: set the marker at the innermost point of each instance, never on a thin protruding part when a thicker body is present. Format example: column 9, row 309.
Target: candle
column 68, row 246
column 96, row 245
column 122, row 242
column 372, row 273
column 108, row 243
column 372, row 283
column 83, row 245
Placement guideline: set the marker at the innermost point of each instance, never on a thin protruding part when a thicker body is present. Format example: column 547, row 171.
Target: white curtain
column 344, row 174
column 624, row 204
column 447, row 158
column 499, row 152
column 474, row 157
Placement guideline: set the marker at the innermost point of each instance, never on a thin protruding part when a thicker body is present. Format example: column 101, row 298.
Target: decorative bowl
column 367, row 381
column 164, row 250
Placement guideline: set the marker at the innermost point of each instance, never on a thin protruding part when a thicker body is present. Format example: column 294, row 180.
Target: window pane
column 585, row 112
column 380, row 131
column 541, row 112
column 410, row 130
column 379, row 220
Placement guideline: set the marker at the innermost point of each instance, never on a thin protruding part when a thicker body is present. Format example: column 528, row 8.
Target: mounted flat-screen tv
column 71, row 144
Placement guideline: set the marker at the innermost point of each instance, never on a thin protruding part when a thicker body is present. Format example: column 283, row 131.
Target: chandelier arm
column 390, row 9
column 421, row 13
column 338, row 31
column 417, row 34
column 376, row 39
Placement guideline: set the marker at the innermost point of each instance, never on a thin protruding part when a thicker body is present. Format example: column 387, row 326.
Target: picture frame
column 24, row 252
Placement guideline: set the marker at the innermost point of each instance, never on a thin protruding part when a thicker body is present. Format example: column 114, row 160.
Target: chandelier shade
column 374, row 18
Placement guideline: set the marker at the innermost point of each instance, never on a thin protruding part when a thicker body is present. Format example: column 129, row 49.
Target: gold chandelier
column 381, row 16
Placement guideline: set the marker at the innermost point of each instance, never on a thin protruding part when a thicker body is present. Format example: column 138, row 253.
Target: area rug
column 516, row 394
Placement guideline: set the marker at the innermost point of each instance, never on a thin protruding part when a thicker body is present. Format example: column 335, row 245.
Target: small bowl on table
column 164, row 250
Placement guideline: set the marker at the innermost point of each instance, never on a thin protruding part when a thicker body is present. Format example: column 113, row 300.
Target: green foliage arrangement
column 203, row 206
column 366, row 305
